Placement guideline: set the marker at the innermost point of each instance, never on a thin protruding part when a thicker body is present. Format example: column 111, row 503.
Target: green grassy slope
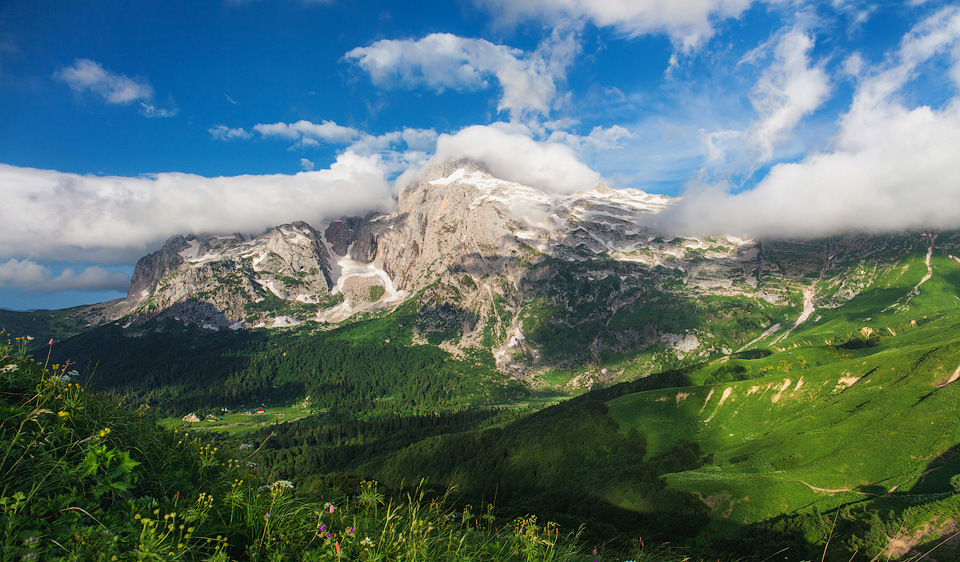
column 855, row 404
column 852, row 406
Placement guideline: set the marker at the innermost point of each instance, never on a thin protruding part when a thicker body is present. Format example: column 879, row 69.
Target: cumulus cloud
column 52, row 215
column 688, row 23
column 224, row 133
column 32, row 277
column 153, row 111
column 787, row 91
column 444, row 61
column 90, row 76
column 892, row 167
column 549, row 166
column 600, row 138
column 307, row 164
column 307, row 133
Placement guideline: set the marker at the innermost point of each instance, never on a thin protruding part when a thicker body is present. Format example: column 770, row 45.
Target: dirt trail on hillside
column 953, row 378
column 916, row 290
column 808, row 309
column 825, row 490
column 769, row 332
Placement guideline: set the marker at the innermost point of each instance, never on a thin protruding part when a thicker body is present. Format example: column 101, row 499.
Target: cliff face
column 231, row 280
column 153, row 267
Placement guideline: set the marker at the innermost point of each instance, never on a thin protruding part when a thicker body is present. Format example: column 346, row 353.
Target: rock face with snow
column 218, row 281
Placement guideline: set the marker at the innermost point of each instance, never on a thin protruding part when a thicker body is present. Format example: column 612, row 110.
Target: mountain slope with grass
column 82, row 478
column 848, row 411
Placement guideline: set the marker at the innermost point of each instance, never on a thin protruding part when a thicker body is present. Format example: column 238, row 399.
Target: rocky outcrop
column 232, row 280
column 342, row 233
column 153, row 267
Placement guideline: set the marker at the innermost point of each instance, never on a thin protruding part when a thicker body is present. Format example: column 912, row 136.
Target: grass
column 826, row 425
column 81, row 478
column 243, row 422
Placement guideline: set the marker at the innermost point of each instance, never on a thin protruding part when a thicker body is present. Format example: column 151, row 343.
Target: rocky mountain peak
column 150, row 269
column 602, row 189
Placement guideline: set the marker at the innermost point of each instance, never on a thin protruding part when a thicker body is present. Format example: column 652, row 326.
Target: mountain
column 542, row 281
column 722, row 386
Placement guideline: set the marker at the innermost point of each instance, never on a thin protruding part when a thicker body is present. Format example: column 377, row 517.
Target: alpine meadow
column 537, row 280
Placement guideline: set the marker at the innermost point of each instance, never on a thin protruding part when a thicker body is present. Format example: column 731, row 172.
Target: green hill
column 82, row 478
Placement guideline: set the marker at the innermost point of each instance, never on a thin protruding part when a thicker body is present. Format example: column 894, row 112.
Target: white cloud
column 116, row 89
column 89, row 76
column 307, row 133
column 307, row 165
column 600, row 138
column 152, row 111
column 52, row 215
column 787, row 91
column 444, row 61
column 687, row 22
column 224, row 133
column 549, row 166
column 31, row 277
column 892, row 167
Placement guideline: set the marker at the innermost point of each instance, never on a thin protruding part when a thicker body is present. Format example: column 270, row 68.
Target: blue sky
column 123, row 123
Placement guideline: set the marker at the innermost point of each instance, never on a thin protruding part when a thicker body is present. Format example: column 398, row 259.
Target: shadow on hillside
column 160, row 361
column 571, row 464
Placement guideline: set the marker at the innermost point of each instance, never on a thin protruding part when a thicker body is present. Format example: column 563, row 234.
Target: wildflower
column 337, row 544
column 104, row 432
column 63, row 414
column 267, row 516
column 323, row 527
column 50, row 342
column 10, row 368
column 332, row 509
column 350, row 531
column 366, row 542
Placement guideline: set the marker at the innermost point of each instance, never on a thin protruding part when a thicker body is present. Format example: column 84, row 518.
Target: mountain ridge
column 538, row 280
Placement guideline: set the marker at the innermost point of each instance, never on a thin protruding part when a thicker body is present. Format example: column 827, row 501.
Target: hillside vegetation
column 81, row 478
column 811, row 416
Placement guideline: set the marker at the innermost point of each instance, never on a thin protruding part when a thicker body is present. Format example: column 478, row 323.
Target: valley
column 560, row 356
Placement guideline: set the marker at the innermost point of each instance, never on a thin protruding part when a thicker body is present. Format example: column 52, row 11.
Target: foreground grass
column 83, row 479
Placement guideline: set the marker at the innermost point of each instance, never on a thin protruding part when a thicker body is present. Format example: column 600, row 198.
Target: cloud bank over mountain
column 769, row 118
column 892, row 165
column 53, row 215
